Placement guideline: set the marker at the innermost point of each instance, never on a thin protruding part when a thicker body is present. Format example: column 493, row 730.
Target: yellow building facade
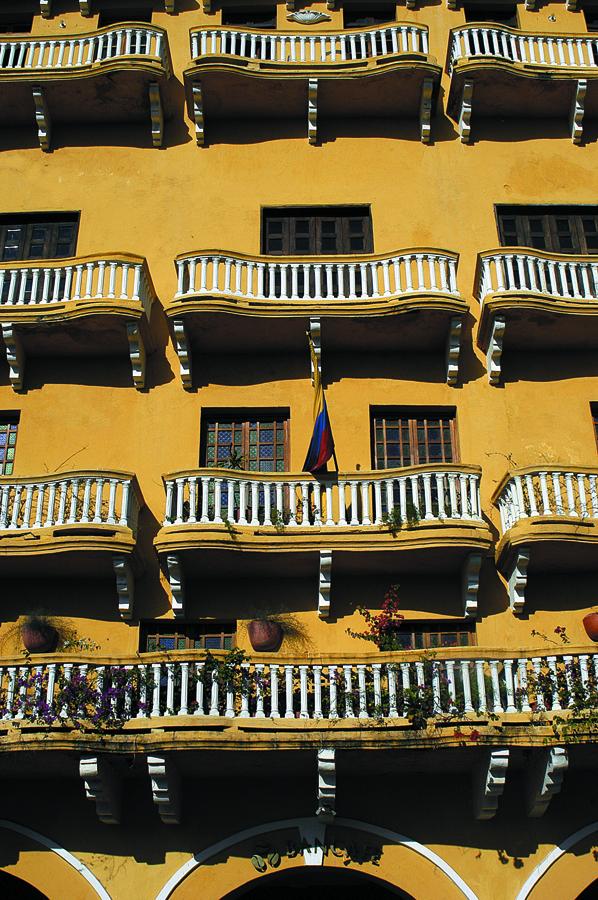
column 191, row 192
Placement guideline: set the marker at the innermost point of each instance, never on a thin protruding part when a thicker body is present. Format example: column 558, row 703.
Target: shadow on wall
column 548, row 365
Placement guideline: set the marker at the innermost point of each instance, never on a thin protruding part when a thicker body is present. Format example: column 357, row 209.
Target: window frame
column 27, row 222
column 414, row 415
column 154, row 629
column 9, row 418
column 245, row 418
column 249, row 12
column 140, row 15
column 316, row 215
column 427, row 628
column 548, row 214
column 487, row 12
column 366, row 13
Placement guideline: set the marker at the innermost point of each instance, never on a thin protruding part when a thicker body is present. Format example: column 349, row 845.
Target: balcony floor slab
column 535, row 322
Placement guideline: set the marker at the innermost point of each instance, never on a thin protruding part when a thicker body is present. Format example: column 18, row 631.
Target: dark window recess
column 127, row 14
column 257, row 444
column 410, row 438
column 358, row 16
column 157, row 636
column 594, row 412
column 501, row 13
column 559, row 229
column 317, row 231
column 38, row 236
column 16, row 23
column 430, row 635
column 9, row 423
column 591, row 16
column 249, row 16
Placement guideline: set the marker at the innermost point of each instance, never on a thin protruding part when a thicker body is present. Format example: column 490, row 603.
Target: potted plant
column 39, row 634
column 265, row 634
column 590, row 623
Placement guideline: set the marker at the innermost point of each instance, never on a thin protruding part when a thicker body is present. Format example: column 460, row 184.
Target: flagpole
column 335, row 460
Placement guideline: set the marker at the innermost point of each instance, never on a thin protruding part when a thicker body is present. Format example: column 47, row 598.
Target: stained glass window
column 8, row 443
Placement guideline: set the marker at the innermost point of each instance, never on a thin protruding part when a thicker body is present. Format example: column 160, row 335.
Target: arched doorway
column 318, row 883
column 17, row 889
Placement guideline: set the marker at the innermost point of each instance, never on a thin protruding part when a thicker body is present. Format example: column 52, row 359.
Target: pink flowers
column 383, row 626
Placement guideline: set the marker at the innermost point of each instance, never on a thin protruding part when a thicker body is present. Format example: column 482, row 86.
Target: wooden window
column 38, row 236
column 127, row 14
column 594, row 413
column 9, row 424
column 16, row 23
column 249, row 16
column 590, row 12
column 413, row 437
column 156, row 636
column 559, row 229
column 253, row 443
column 360, row 16
column 437, row 634
column 500, row 13
column 316, row 231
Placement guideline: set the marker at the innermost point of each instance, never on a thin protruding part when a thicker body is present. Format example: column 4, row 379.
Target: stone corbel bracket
column 471, row 584
column 326, row 785
column 315, row 333
column 517, row 580
column 156, row 114
column 489, row 779
column 45, row 8
column 452, row 4
column 530, row 5
column 465, row 112
column 453, row 349
column 572, row 5
column 425, row 107
column 15, row 356
column 494, row 352
column 85, row 7
column 207, row 6
column 197, row 98
column 578, row 107
column 125, row 585
column 42, row 118
column 325, row 583
column 176, row 580
column 103, row 786
column 166, row 788
column 169, row 5
column 183, row 352
column 545, row 775
column 312, row 110
column 137, row 354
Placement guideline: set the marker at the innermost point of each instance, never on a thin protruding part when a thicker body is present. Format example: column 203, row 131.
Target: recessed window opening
column 126, row 14
column 249, row 16
column 361, row 16
column 316, row 231
column 38, row 235
column 257, row 441
column 16, row 23
column 591, row 16
column 557, row 229
column 420, row 635
column 9, row 423
column 411, row 436
column 207, row 635
column 500, row 13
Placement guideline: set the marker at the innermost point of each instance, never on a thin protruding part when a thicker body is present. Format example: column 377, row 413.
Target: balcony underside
column 535, row 322
column 229, row 325
column 65, row 551
column 560, row 544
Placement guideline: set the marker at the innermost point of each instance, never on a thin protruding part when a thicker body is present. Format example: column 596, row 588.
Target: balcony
column 85, row 6
column 248, row 74
column 300, row 525
column 111, row 76
column 549, row 523
column 405, row 301
column 500, row 72
column 86, row 521
column 93, row 306
column 533, row 300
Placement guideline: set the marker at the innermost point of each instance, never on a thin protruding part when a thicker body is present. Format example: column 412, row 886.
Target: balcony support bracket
column 545, row 775
column 207, row 6
column 125, row 585
column 166, row 788
column 326, row 785
column 530, row 5
column 325, row 583
column 182, row 348
column 169, row 5
column 42, row 118
column 572, row 5
column 451, row 4
column 471, row 584
column 453, row 349
column 137, row 354
column 104, row 786
column 425, row 109
column 494, row 352
column 197, row 97
column 518, row 580
column 465, row 113
column 312, row 110
column 176, row 580
column 15, row 356
column 578, row 107
column 489, row 778
column 85, row 7
column 315, row 333
column 45, row 8
column 156, row 114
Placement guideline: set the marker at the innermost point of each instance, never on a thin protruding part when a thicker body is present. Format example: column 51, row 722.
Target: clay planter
column 265, row 636
column 590, row 623
column 39, row 638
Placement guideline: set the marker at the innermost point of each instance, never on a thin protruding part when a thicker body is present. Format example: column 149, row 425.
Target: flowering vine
column 382, row 627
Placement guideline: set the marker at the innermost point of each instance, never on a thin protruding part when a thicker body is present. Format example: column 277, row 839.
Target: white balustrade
column 562, row 278
column 95, row 279
column 58, row 53
column 300, row 690
column 424, row 493
column 266, row 278
column 313, row 48
column 544, row 50
column 567, row 493
column 71, row 498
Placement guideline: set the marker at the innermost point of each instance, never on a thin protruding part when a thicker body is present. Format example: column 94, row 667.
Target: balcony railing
column 428, row 494
column 71, row 498
column 548, row 492
column 550, row 275
column 453, row 682
column 120, row 42
column 545, row 50
column 214, row 274
column 293, row 48
column 106, row 277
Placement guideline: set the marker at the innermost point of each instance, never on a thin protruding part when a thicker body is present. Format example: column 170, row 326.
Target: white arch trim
column 199, row 858
column 552, row 857
column 51, row 845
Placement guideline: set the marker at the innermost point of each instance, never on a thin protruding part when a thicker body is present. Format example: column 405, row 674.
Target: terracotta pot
column 590, row 623
column 39, row 638
column 264, row 635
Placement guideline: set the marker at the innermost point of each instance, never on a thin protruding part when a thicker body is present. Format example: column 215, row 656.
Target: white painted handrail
column 72, row 498
column 103, row 278
column 35, row 690
column 498, row 42
column 312, row 48
column 426, row 494
column 567, row 278
column 58, row 53
column 266, row 278
column 532, row 494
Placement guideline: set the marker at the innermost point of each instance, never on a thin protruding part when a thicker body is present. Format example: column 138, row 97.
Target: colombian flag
column 321, row 447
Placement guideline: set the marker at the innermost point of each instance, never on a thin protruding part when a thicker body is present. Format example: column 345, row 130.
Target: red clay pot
column 265, row 636
column 590, row 623
column 39, row 638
